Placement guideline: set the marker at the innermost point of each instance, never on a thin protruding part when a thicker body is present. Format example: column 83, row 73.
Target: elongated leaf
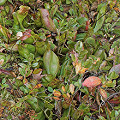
column 51, row 62
column 100, row 18
column 47, row 21
column 72, row 88
column 103, row 93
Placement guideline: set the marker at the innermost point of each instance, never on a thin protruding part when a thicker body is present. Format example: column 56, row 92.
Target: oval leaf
column 103, row 93
column 72, row 88
column 51, row 62
column 47, row 21
column 56, row 93
column 92, row 81
column 115, row 68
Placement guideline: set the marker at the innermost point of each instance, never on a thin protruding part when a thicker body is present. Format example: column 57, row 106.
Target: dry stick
column 114, row 24
column 107, row 100
column 104, row 14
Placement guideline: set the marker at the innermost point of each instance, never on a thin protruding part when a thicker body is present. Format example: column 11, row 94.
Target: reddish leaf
column 115, row 100
column 87, row 25
column 92, row 81
column 23, row 9
column 115, row 68
column 5, row 72
column 26, row 34
column 47, row 21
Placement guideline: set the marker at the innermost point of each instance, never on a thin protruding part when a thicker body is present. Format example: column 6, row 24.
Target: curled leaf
column 19, row 16
column 79, row 69
column 92, row 81
column 37, row 74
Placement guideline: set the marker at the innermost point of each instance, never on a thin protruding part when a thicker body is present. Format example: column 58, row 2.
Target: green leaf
column 24, row 89
column 51, row 62
column 113, row 75
column 40, row 116
column 22, row 71
column 50, row 89
column 91, row 41
column 35, row 104
column 41, row 47
column 2, row 2
column 100, row 19
column 23, row 51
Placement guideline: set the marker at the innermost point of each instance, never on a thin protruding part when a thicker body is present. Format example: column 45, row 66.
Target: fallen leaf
column 68, row 95
column 38, row 86
column 19, row 77
column 63, row 88
column 79, row 69
column 92, row 81
column 56, row 98
column 71, row 88
column 56, row 93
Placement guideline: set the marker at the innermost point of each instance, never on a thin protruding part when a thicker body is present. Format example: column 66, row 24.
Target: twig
column 107, row 100
column 114, row 24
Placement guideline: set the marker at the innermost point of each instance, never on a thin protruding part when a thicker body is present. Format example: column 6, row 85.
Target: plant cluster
column 59, row 59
